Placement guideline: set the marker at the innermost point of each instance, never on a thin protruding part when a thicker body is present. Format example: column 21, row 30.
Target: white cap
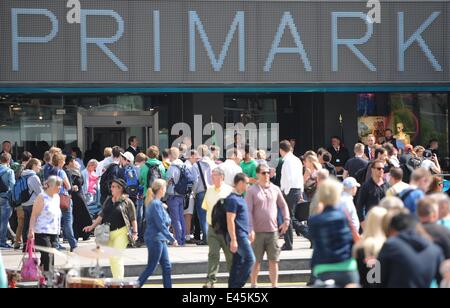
column 128, row 156
column 350, row 183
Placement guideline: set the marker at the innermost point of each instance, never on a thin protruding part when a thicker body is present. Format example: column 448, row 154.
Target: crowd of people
column 378, row 219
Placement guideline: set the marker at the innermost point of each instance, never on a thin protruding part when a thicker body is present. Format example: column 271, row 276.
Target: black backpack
column 3, row 187
column 111, row 173
column 219, row 218
column 153, row 174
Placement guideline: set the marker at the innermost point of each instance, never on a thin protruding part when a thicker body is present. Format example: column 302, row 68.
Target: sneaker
column 17, row 246
column 208, row 285
column 202, row 243
column 286, row 248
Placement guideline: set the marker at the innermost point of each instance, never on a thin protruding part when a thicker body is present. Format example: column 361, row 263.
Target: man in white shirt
column 347, row 204
column 292, row 186
column 231, row 166
column 107, row 153
column 431, row 162
column 397, row 186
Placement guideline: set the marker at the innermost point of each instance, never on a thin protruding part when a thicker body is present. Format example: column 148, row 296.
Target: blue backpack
column 186, row 182
column 132, row 180
column 21, row 193
column 3, row 187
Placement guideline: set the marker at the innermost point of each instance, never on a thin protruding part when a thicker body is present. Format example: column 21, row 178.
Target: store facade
column 117, row 68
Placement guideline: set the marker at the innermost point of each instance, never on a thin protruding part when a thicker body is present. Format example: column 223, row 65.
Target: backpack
column 3, row 187
column 186, row 181
column 132, row 180
column 406, row 193
column 153, row 174
column 219, row 218
column 21, row 192
column 111, row 173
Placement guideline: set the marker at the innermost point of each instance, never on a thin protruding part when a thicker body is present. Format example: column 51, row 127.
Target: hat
column 120, row 182
column 350, row 183
column 128, row 156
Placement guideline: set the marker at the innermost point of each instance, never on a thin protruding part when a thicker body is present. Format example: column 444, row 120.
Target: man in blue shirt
column 420, row 182
column 8, row 181
column 238, row 230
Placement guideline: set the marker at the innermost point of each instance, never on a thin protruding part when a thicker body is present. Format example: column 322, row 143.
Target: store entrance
column 114, row 128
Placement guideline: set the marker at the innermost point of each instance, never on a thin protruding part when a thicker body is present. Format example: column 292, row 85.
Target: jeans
column 215, row 243
column 201, row 213
column 292, row 199
column 67, row 226
column 157, row 253
column 27, row 210
column 176, row 211
column 5, row 214
column 140, row 216
column 243, row 261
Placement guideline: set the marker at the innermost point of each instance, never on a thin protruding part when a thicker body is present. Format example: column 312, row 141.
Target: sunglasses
column 379, row 169
column 265, row 172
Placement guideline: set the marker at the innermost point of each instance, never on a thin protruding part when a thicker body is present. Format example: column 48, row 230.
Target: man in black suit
column 133, row 148
column 370, row 148
column 339, row 154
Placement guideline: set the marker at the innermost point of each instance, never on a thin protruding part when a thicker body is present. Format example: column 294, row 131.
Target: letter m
column 196, row 24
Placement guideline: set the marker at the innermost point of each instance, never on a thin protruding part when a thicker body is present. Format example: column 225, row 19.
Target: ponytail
column 156, row 187
column 150, row 197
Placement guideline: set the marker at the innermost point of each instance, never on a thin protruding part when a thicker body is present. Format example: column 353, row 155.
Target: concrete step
column 200, row 268
column 292, row 276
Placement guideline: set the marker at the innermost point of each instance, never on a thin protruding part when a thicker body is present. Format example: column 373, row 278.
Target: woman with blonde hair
column 367, row 249
column 332, row 239
column 312, row 168
column 157, row 234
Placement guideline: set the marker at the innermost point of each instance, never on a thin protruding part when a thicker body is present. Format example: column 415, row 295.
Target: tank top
column 49, row 220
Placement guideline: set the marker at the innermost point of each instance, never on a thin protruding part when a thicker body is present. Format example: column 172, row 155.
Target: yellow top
column 212, row 196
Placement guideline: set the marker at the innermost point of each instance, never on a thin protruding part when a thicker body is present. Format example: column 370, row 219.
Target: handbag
column 102, row 234
column 30, row 264
column 64, row 202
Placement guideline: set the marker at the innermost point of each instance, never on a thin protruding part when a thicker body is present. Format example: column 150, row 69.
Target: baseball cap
column 350, row 183
column 128, row 156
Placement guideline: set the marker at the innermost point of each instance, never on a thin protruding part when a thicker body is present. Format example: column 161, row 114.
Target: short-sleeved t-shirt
column 249, row 168
column 236, row 204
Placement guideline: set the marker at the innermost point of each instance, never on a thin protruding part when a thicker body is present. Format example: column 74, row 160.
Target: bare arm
column 232, row 231
column 38, row 206
column 95, row 223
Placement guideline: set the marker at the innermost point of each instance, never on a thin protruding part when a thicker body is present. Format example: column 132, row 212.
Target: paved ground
column 190, row 253
column 138, row 256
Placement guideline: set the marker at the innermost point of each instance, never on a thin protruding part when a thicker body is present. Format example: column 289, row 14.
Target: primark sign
column 231, row 42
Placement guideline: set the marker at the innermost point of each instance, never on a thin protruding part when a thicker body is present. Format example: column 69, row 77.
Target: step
column 200, row 268
column 294, row 276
